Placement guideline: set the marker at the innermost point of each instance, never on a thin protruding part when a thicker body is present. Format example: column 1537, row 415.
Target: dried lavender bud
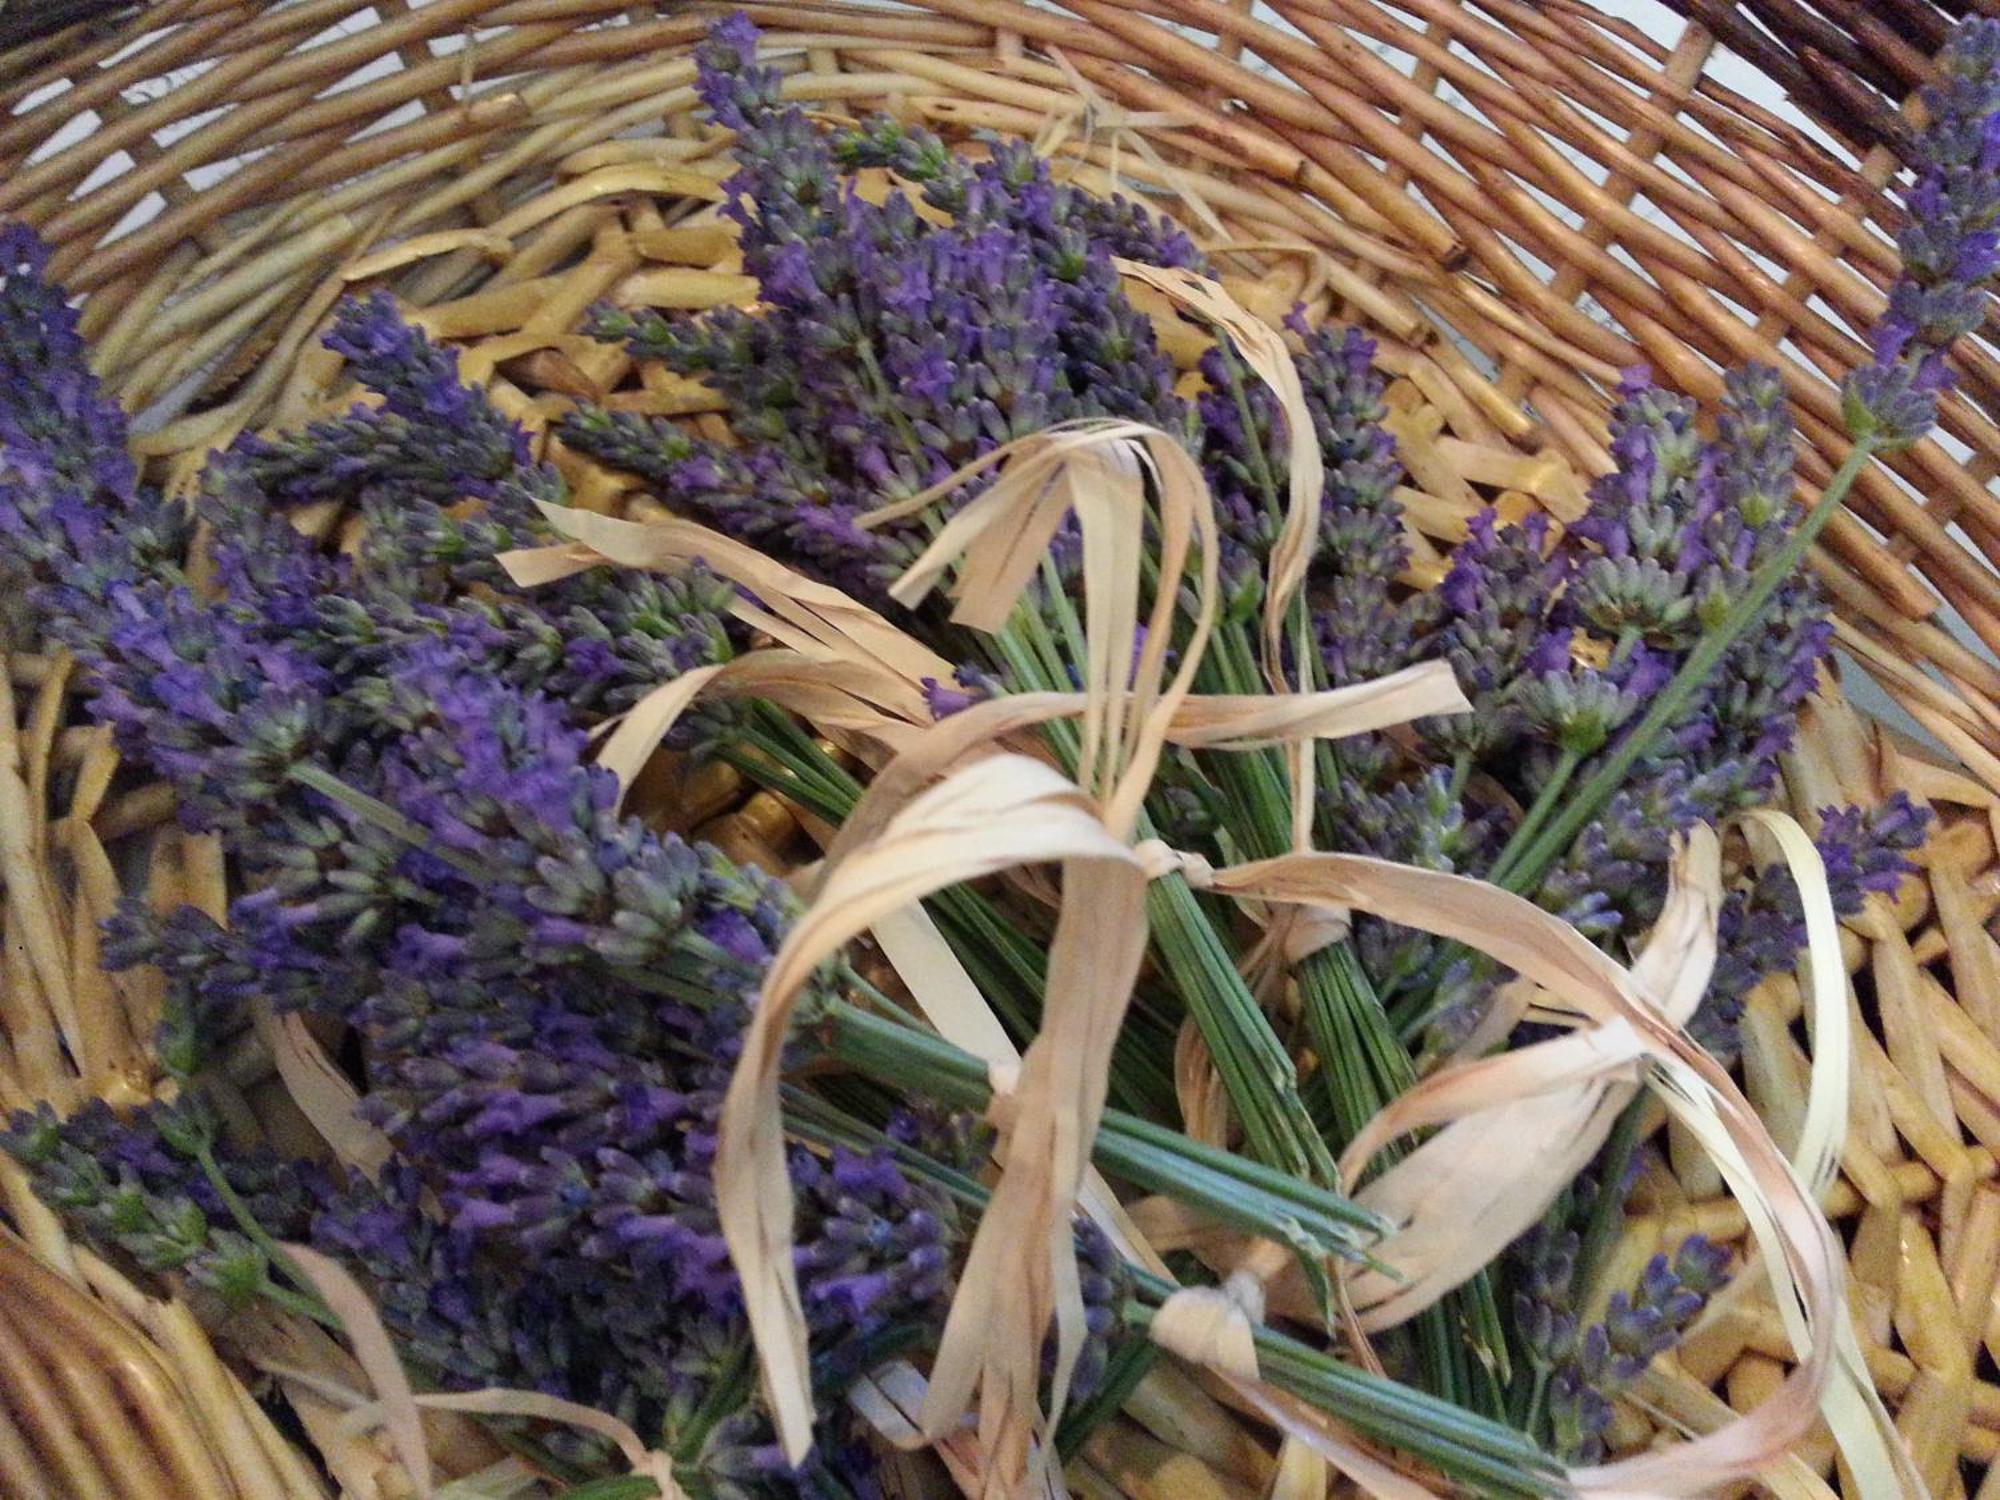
column 1244, row 449
column 1578, row 709
column 739, row 91
column 1423, row 821
column 954, row 1138
column 1364, row 631
column 1866, row 850
column 1648, row 520
column 1652, row 504
column 55, row 406
column 1105, row 1281
column 1612, row 878
column 224, row 713
column 75, row 522
column 968, row 685
column 910, row 151
column 1544, row 1314
column 881, row 1248
column 1755, row 480
column 1579, row 1415
column 1762, row 930
column 1361, row 521
column 765, row 496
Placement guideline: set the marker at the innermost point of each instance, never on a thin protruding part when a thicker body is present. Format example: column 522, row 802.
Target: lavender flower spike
column 1950, row 248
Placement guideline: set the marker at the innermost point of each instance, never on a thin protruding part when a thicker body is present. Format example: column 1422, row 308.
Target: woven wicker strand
column 1412, row 170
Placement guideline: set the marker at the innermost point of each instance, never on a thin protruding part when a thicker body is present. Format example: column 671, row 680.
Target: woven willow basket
column 1517, row 199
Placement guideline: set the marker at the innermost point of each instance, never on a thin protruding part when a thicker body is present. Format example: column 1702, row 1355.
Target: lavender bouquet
column 546, row 998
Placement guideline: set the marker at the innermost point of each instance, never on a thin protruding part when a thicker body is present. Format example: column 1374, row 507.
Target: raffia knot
column 1214, row 1326
column 1158, row 858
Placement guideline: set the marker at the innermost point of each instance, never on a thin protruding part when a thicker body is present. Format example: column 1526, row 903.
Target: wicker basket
column 1518, row 199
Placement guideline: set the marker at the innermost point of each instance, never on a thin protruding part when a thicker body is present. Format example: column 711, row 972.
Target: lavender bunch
column 546, row 996
column 1951, row 250
column 873, row 366
column 886, row 353
column 1562, row 644
column 431, row 860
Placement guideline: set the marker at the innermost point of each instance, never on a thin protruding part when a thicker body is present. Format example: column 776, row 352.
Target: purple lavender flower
column 738, row 90
column 968, row 685
column 1577, row 709
column 1762, row 928
column 1105, row 1283
column 1606, row 1358
column 431, row 437
column 55, row 407
column 1950, row 248
column 468, row 1320
column 202, row 698
column 75, row 522
column 1493, row 619
column 1865, row 850
column 132, row 1182
column 1544, row 1317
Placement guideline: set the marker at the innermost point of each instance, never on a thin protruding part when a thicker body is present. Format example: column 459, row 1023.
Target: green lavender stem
column 616, row 1487
column 1257, row 1198
column 1608, row 1210
column 1492, row 1458
column 1363, row 1061
column 1487, row 1456
column 303, row 1300
column 1256, row 1069
column 1546, row 802
column 1128, row 1365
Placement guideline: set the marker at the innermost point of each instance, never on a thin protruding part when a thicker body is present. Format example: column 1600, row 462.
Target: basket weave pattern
column 1517, row 200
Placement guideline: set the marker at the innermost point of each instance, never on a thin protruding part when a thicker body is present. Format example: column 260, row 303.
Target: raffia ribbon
column 396, row 1406
column 1263, row 350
